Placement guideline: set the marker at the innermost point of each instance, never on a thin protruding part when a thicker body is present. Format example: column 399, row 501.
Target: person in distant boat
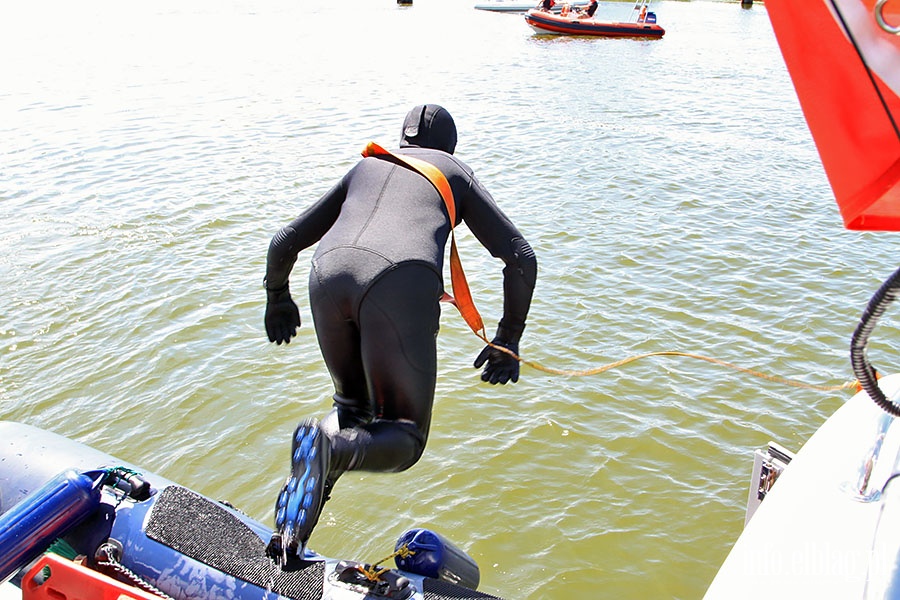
column 588, row 11
column 374, row 291
column 546, row 5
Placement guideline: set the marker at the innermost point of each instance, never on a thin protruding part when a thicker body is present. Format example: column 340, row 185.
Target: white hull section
column 813, row 534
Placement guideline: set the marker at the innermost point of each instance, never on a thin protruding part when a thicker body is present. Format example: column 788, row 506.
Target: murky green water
column 670, row 189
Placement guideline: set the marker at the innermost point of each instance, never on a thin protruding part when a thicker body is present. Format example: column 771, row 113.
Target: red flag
column 845, row 65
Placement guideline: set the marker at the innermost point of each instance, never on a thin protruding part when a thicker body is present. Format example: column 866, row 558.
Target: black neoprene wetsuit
column 375, row 287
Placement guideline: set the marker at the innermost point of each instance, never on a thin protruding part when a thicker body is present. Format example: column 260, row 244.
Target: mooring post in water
column 404, row 2
column 746, row 3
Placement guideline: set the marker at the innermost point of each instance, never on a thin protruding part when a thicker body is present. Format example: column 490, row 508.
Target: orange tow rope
column 463, row 297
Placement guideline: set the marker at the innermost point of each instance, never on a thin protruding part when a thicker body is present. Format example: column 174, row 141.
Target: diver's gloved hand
column 282, row 315
column 501, row 366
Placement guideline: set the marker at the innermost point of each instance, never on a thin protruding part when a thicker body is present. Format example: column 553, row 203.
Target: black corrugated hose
column 862, row 368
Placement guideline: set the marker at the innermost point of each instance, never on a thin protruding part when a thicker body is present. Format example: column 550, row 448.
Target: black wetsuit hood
column 429, row 126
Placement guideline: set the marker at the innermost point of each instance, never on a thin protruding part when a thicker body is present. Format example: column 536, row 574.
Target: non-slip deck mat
column 436, row 589
column 207, row 532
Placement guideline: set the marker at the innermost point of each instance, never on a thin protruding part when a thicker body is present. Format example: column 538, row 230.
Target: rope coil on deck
column 373, row 573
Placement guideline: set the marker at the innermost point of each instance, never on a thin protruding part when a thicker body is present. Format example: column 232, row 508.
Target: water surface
column 670, row 189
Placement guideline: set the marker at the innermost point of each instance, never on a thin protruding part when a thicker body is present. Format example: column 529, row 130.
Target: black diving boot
column 301, row 499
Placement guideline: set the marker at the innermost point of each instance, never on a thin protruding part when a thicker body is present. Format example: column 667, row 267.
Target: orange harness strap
column 463, row 300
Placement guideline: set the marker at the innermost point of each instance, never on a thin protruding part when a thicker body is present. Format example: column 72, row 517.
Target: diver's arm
column 282, row 317
column 503, row 240
column 301, row 233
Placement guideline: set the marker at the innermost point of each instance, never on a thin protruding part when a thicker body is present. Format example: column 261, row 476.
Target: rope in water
column 602, row 369
column 470, row 314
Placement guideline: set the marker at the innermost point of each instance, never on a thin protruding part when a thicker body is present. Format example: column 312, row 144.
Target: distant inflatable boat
column 516, row 6
column 78, row 523
column 546, row 23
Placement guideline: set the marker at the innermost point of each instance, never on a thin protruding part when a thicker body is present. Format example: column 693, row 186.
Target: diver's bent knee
column 415, row 444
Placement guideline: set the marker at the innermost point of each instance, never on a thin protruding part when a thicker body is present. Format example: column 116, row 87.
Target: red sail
column 845, row 66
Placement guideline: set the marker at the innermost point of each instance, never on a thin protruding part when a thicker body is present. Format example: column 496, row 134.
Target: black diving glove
column 501, row 366
column 282, row 315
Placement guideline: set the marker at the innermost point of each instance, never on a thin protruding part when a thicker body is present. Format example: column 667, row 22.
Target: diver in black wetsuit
column 374, row 289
